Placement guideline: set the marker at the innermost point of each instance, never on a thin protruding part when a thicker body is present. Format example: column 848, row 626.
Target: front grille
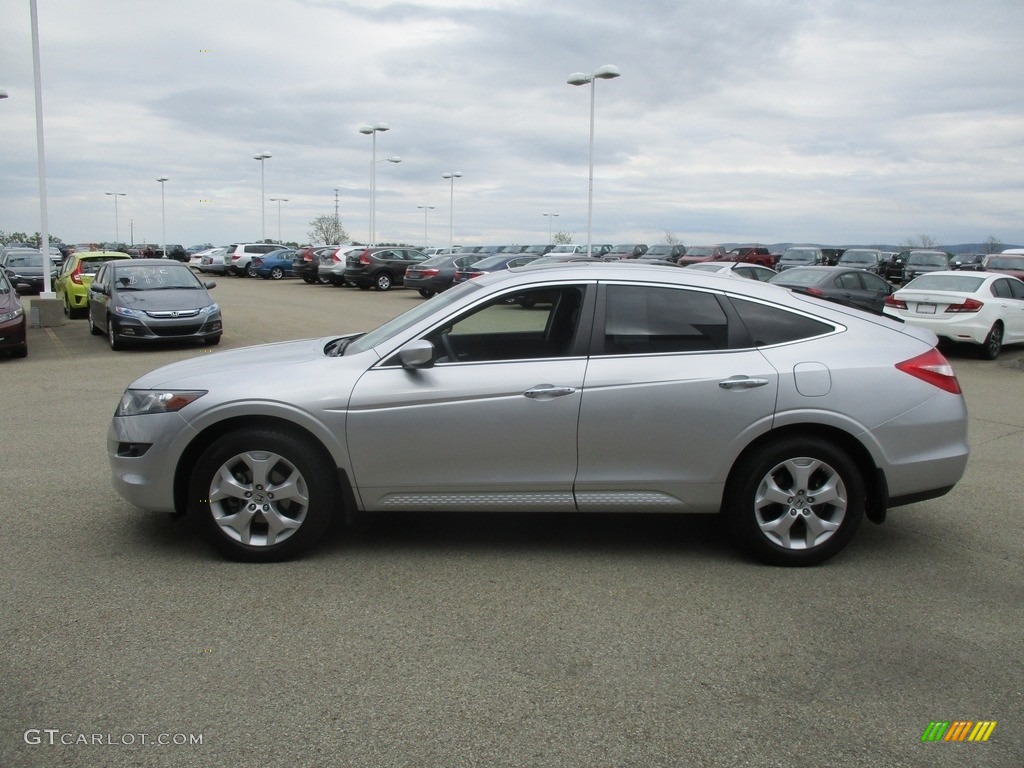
column 168, row 314
column 176, row 330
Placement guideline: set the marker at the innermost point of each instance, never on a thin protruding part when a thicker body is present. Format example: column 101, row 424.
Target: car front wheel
column 115, row 344
column 263, row 495
column 795, row 502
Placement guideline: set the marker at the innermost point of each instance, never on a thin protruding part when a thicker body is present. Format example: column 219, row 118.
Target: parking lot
column 505, row 640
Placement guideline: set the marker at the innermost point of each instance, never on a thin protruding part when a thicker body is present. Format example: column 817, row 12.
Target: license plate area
column 926, row 309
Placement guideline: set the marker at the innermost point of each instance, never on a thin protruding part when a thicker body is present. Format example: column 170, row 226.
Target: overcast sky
column 738, row 121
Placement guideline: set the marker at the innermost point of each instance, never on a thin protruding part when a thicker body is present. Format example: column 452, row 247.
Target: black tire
column 993, row 344
column 308, row 280
column 770, row 501
column 276, row 273
column 92, row 327
column 325, row 281
column 20, row 352
column 382, row 281
column 67, row 307
column 288, row 463
column 250, row 270
column 115, row 344
column 426, row 293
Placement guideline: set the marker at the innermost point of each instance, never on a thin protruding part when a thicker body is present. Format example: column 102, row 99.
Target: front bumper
column 148, row 329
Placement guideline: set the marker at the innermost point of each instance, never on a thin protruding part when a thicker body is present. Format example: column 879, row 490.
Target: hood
column 266, row 361
column 161, row 300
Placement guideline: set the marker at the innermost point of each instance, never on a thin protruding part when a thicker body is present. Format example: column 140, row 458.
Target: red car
column 1008, row 264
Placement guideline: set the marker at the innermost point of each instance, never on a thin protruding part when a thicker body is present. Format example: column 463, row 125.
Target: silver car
column 615, row 387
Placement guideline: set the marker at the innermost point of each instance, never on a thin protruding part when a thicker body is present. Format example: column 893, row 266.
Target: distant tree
column 921, row 241
column 562, row 238
column 34, row 241
column 671, row 239
column 327, row 229
column 993, row 245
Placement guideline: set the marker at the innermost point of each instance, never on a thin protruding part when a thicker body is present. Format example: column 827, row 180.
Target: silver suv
column 239, row 257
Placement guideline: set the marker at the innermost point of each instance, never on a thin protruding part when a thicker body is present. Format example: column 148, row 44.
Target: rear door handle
column 548, row 392
column 742, row 382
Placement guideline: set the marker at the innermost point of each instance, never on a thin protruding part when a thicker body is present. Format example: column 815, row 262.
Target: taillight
column 364, row 258
column 256, row 261
column 933, row 368
column 968, row 305
column 475, row 274
column 76, row 276
column 335, row 256
column 814, row 291
column 894, row 303
column 429, row 272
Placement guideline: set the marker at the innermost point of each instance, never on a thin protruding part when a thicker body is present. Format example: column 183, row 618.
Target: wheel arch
column 875, row 486
column 205, row 438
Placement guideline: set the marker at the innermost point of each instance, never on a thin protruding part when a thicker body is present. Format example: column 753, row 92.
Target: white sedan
column 735, row 269
column 980, row 308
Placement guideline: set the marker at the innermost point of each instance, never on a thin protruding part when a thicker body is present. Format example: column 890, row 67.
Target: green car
column 72, row 286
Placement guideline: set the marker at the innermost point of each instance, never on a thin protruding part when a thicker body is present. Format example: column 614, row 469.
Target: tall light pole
column 550, row 217
column 373, row 130
column 607, row 72
column 279, row 200
column 163, row 216
column 425, row 208
column 452, row 176
column 44, row 244
column 117, row 229
column 263, row 207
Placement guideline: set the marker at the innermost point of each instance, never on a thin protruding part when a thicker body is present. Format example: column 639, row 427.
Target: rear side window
column 769, row 324
column 651, row 320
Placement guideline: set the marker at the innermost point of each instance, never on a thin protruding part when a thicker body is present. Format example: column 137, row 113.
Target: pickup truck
column 752, row 254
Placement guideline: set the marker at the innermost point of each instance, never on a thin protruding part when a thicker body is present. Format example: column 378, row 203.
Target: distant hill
column 954, row 249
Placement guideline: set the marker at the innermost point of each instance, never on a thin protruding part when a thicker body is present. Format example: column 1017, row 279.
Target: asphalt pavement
column 500, row 640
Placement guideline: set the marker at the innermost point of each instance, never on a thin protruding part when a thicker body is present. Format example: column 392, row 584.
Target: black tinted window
column 643, row 320
column 773, row 325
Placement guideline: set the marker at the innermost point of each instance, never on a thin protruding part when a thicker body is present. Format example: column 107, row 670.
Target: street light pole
column 373, row 130
column 425, row 208
column 263, row 207
column 550, row 217
column 163, row 216
column 451, row 176
column 117, row 229
column 607, row 72
column 279, row 200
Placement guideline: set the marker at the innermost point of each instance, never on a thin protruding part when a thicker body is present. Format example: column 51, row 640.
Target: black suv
column 920, row 261
column 379, row 267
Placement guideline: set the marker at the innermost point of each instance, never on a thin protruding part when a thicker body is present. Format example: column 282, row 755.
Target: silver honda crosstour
column 583, row 387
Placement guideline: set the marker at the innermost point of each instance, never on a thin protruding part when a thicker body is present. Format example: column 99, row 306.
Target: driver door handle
column 548, row 392
column 742, row 382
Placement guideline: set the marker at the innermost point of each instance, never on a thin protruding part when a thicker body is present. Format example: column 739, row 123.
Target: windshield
column 701, row 250
column 799, row 254
column 928, row 260
column 859, row 257
column 1005, row 262
column 408, row 319
column 150, row 278
column 565, row 249
column 25, row 260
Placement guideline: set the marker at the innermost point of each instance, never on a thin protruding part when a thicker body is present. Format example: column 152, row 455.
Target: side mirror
column 417, row 354
column 210, row 284
column 94, row 288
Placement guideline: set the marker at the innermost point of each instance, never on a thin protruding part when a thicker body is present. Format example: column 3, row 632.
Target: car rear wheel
column 263, row 495
column 382, row 281
column 276, row 273
column 426, row 293
column 993, row 343
column 250, row 270
column 795, row 502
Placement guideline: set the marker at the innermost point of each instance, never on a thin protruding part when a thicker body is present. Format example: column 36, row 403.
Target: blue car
column 274, row 265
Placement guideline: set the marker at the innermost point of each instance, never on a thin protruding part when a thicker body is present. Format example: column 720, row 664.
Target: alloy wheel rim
column 800, row 503
column 258, row 498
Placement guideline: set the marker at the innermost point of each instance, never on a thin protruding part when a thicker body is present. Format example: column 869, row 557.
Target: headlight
column 12, row 315
column 211, row 309
column 137, row 402
column 125, row 312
